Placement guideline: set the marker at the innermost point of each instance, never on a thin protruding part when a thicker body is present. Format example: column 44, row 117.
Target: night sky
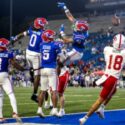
column 23, row 9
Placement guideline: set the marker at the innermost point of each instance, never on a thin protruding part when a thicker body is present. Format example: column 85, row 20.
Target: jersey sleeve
column 11, row 55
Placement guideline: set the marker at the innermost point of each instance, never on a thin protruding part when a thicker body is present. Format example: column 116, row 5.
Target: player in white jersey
column 63, row 73
column 115, row 61
column 33, row 50
column 5, row 83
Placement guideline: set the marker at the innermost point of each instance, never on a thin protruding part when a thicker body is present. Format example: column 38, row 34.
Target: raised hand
column 61, row 5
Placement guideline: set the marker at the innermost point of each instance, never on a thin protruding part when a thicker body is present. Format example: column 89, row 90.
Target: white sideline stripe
column 67, row 101
column 111, row 110
column 27, row 124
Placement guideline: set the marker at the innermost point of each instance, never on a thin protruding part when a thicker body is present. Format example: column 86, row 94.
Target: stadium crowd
column 76, row 59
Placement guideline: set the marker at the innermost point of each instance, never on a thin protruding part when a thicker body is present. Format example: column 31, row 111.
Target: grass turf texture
column 77, row 100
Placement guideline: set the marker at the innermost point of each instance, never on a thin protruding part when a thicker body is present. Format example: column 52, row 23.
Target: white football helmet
column 119, row 42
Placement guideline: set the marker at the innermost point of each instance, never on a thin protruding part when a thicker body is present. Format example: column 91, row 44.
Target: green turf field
column 77, row 100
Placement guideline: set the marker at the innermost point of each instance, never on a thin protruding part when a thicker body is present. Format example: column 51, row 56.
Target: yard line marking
column 67, row 101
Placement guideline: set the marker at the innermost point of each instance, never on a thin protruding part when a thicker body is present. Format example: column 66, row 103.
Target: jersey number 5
column 115, row 63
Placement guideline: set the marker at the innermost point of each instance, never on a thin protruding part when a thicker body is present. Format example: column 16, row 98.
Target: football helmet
column 81, row 26
column 119, row 42
column 48, row 35
column 3, row 43
column 39, row 23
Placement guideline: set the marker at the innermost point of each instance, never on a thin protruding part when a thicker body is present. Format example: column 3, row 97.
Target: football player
column 7, row 57
column 114, row 58
column 63, row 73
column 80, row 34
column 33, row 50
column 50, row 50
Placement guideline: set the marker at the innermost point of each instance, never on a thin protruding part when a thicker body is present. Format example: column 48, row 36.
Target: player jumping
column 80, row 34
column 33, row 50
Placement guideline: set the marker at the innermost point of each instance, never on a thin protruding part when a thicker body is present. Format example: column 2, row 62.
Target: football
column 115, row 21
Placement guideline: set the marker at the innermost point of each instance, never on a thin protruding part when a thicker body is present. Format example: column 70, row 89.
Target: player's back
column 35, row 40
column 49, row 53
column 114, row 61
column 4, row 60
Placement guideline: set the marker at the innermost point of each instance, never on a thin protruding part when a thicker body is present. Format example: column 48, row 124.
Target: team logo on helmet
column 48, row 35
column 81, row 26
column 39, row 23
column 3, row 43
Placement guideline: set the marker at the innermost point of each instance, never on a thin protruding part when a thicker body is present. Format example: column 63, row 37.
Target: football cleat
column 16, row 116
column 82, row 120
column 2, row 120
column 61, row 113
column 40, row 113
column 34, row 98
column 54, row 112
column 100, row 112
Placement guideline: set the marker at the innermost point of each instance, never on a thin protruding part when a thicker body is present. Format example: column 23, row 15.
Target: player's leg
column 108, row 88
column 50, row 99
column 46, row 105
column 101, row 109
column 63, row 80
column 8, row 88
column 2, row 119
column 44, row 87
column 53, row 80
column 74, row 55
column 36, row 65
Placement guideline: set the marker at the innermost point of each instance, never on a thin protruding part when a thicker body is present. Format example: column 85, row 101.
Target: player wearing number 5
column 115, row 61
column 33, row 49
column 50, row 50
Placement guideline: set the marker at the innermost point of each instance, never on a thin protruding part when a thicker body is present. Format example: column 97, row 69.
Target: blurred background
column 17, row 15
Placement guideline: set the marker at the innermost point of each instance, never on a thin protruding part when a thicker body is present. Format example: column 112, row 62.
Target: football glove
column 62, row 28
column 61, row 5
column 13, row 38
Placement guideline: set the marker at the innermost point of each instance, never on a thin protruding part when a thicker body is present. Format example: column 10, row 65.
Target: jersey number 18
column 116, row 63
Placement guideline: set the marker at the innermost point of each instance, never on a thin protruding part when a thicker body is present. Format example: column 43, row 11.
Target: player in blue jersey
column 50, row 50
column 33, row 50
column 80, row 34
column 7, row 57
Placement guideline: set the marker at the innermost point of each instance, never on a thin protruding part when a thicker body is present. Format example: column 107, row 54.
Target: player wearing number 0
column 114, row 58
column 7, row 57
column 50, row 50
column 33, row 50
column 80, row 34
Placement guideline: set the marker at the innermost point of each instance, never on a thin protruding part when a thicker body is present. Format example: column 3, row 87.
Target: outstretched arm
column 19, row 36
column 67, row 12
column 63, row 35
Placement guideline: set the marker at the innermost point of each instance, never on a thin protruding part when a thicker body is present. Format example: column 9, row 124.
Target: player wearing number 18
column 115, row 61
